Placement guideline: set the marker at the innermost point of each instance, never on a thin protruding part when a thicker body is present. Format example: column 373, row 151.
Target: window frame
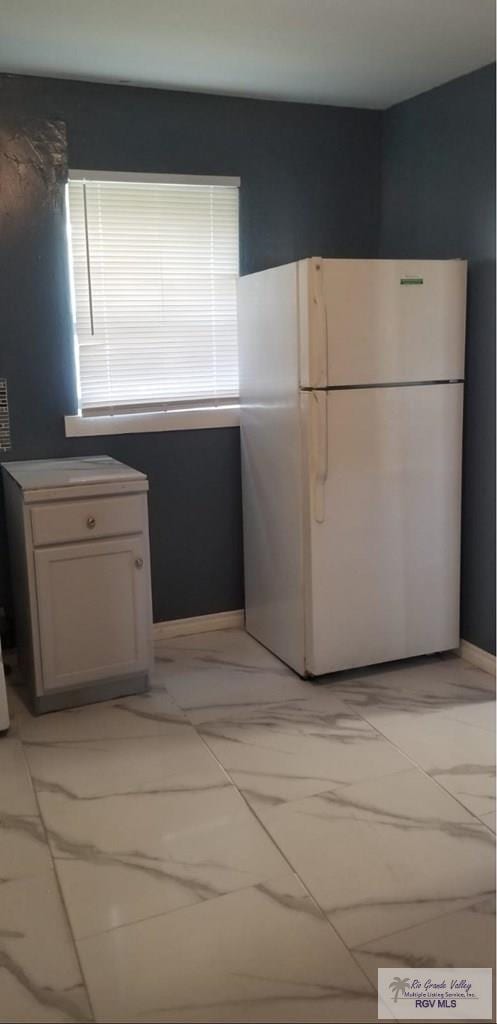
column 179, row 416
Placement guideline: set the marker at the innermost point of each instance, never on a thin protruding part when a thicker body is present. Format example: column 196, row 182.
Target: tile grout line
column 288, row 862
column 59, row 887
column 413, row 765
column 352, row 709
column 424, row 772
column 470, row 903
column 219, row 896
column 350, row 950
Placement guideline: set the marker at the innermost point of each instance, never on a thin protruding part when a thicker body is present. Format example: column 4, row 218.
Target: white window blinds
column 155, row 266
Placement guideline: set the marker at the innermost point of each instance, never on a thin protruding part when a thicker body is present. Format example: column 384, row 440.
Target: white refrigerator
column 351, row 379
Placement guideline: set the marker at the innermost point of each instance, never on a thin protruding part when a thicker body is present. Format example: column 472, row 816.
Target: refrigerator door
column 382, row 579
column 381, row 321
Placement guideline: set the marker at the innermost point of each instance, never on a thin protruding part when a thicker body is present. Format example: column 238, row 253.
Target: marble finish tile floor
column 241, row 845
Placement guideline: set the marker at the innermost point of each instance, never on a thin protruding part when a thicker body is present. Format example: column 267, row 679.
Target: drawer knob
column 139, row 563
column 90, row 522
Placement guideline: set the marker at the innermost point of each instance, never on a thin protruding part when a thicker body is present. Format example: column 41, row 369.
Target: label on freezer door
column 411, row 280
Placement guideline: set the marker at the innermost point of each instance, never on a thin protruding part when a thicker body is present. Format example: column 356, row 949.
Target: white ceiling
column 368, row 53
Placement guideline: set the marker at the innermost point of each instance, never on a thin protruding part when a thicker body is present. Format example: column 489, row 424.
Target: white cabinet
column 78, row 537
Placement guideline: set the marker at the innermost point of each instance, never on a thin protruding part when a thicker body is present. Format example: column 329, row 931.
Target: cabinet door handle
column 139, row 563
column 90, row 522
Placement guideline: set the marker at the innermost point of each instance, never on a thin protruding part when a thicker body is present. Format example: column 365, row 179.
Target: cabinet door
column 94, row 611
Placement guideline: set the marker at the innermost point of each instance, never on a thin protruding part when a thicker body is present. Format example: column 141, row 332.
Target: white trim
column 152, row 422
column 160, row 179
column 199, row 624
column 477, row 656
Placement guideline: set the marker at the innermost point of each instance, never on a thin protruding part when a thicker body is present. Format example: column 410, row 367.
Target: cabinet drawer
column 59, row 523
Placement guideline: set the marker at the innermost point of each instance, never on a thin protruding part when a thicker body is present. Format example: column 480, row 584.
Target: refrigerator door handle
column 319, row 453
column 318, row 332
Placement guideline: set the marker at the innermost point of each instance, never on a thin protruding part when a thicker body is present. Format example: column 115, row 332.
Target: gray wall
column 310, row 186
column 438, row 200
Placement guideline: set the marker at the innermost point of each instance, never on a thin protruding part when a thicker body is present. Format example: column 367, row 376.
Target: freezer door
column 381, row 321
column 384, row 524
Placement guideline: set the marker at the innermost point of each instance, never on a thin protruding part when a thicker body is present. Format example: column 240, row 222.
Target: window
column 154, row 269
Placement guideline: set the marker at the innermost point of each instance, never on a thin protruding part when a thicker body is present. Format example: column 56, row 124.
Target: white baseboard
column 199, row 624
column 477, row 656
column 236, row 620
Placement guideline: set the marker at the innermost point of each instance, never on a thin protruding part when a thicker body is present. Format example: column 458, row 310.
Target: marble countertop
column 52, row 473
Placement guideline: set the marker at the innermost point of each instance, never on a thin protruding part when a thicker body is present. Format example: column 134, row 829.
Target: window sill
column 153, row 422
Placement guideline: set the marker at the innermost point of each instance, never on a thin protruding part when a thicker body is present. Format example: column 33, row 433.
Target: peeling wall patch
column 33, row 167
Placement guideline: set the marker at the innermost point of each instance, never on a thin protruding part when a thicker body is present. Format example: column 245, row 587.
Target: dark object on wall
column 33, row 165
column 4, row 417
